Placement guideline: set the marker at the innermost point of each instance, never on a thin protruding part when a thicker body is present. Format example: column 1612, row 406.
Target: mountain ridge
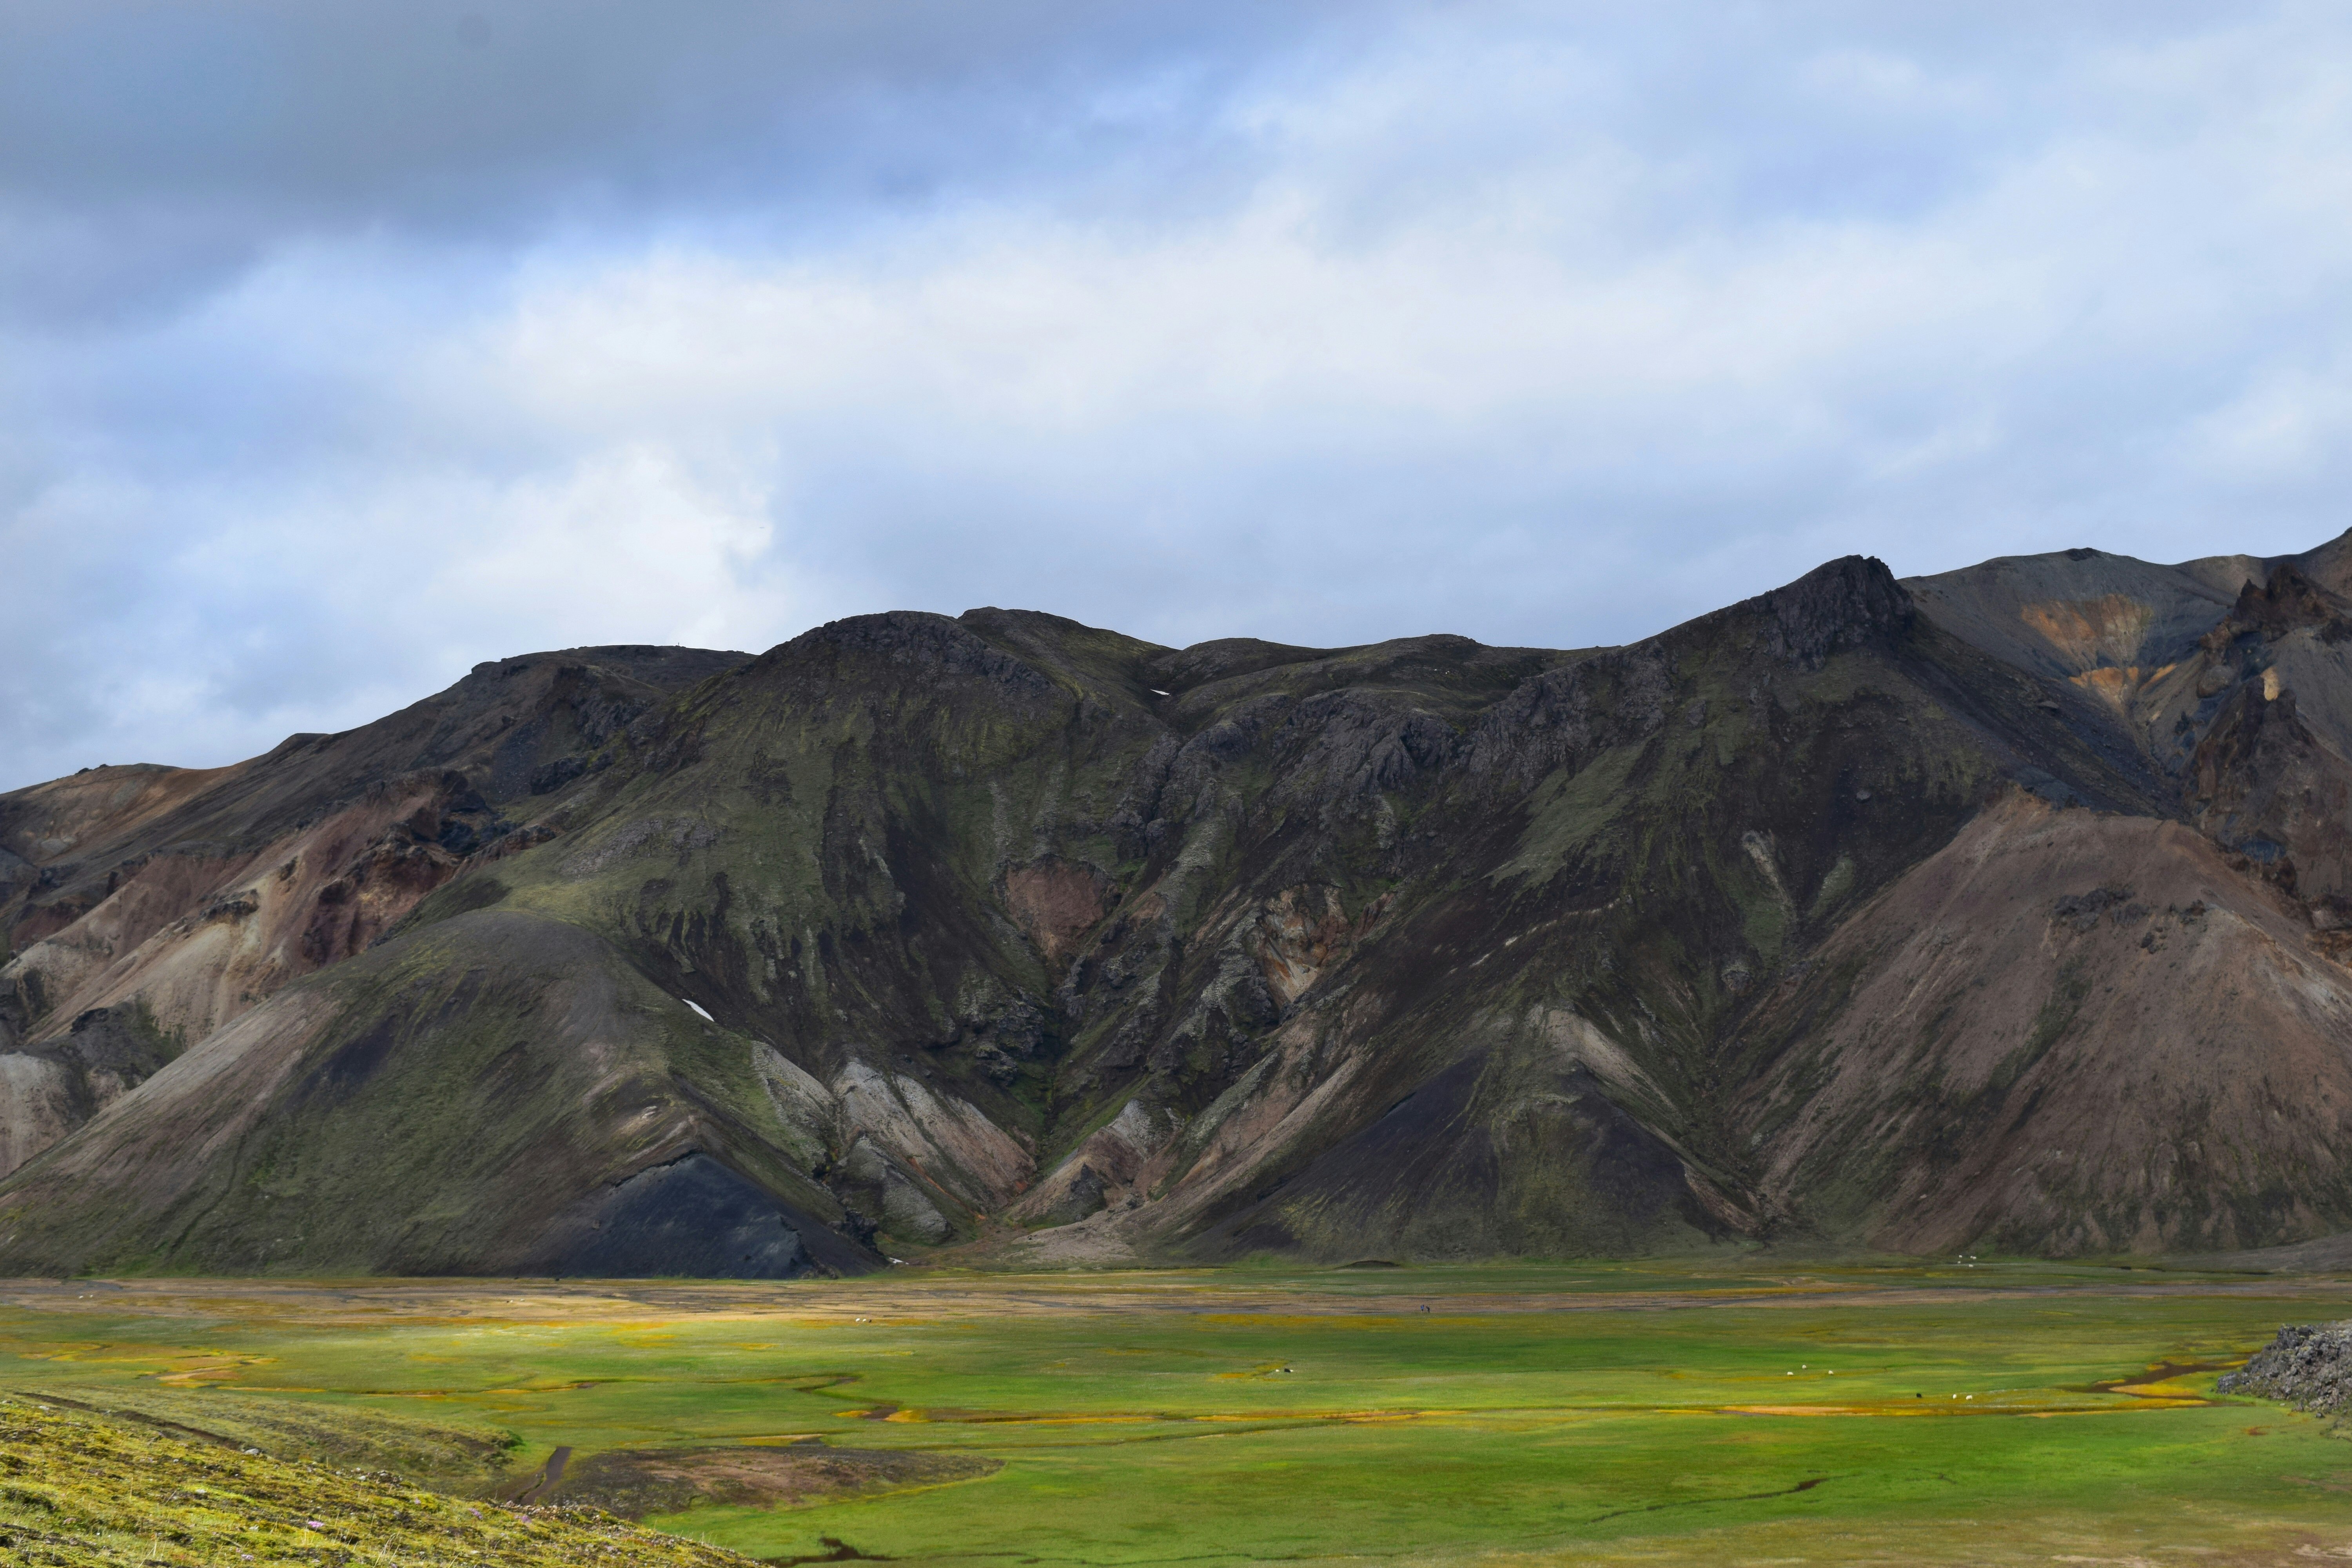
column 1003, row 936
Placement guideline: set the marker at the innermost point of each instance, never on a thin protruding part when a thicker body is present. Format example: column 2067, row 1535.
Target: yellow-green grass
column 81, row 1492
column 1653, row 1413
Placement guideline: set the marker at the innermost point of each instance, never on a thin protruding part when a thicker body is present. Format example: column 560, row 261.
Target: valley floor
column 1755, row 1412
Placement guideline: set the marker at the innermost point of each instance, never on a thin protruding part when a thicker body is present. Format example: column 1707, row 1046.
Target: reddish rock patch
column 1055, row 902
column 1302, row 931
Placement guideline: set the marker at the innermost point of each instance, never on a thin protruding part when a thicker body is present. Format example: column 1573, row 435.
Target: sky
column 344, row 346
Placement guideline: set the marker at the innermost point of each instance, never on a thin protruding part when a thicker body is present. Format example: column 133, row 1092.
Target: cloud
column 150, row 154
column 1542, row 324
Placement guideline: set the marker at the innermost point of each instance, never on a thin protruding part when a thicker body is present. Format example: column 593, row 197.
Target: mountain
column 2003, row 909
column 148, row 906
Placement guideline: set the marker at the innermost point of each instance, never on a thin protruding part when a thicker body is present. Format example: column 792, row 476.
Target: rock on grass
column 2308, row 1366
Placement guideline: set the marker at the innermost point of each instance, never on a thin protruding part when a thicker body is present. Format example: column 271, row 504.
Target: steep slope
column 2076, row 610
column 2153, row 1059
column 2067, row 1033
column 2237, row 702
column 154, row 905
column 497, row 1095
column 917, row 932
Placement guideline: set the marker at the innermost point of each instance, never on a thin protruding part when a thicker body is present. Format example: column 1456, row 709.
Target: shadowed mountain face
column 2002, row 909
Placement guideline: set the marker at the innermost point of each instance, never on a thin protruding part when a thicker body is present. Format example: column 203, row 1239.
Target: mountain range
column 2005, row 910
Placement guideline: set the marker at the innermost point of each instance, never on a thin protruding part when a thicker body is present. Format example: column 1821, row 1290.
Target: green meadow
column 1602, row 1414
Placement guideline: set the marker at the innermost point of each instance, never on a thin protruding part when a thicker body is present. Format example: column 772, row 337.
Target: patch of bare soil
column 637, row 1482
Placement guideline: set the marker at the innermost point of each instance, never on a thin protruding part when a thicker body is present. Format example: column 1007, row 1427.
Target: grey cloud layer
column 149, row 149
column 341, row 347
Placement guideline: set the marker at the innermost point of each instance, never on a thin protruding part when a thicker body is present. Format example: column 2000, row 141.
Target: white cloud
column 1529, row 324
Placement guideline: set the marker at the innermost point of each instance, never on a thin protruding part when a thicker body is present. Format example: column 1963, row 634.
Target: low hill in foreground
column 88, row 1493
column 2004, row 910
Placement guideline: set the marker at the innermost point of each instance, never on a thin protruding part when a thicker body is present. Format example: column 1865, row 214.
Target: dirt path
column 548, row 1474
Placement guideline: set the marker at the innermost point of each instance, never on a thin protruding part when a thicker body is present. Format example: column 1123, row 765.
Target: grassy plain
column 1635, row 1414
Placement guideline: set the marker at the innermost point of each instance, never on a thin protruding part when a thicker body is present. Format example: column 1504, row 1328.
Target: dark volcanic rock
column 2308, row 1366
column 1084, row 1197
column 2082, row 910
column 930, row 646
column 692, row 1217
column 2288, row 601
column 1848, row 603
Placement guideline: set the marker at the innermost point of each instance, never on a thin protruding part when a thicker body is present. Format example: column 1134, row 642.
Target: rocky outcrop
column 2288, row 601
column 924, row 646
column 1851, row 602
column 2308, row 1366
